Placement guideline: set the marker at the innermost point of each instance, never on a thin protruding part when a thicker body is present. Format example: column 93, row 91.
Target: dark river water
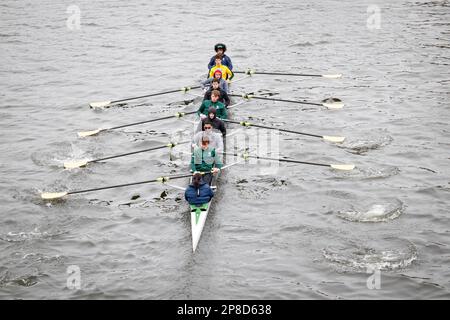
column 291, row 231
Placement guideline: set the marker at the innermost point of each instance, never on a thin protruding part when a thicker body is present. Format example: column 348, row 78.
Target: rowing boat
column 199, row 213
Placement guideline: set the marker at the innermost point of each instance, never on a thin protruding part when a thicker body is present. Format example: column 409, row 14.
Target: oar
column 223, row 168
column 83, row 163
column 106, row 103
column 94, row 132
column 249, row 124
column 58, row 195
column 334, row 103
column 253, row 71
column 345, row 167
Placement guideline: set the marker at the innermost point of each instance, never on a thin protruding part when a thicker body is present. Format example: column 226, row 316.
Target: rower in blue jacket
column 220, row 48
column 198, row 192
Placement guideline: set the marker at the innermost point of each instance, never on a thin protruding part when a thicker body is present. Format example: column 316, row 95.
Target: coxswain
column 220, row 48
column 198, row 192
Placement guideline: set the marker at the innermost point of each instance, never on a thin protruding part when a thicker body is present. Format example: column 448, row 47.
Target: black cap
column 220, row 46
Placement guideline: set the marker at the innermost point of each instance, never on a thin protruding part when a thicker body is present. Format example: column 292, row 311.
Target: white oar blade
column 345, row 167
column 88, row 133
column 333, row 105
column 332, row 76
column 75, row 164
column 52, row 195
column 101, row 104
column 333, row 139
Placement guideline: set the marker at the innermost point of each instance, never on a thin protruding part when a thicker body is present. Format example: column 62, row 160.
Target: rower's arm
column 224, row 84
column 222, row 113
column 201, row 109
column 211, row 72
column 217, row 161
column 193, row 169
column 231, row 73
column 226, row 98
column 211, row 63
column 230, row 64
column 219, row 143
column 223, row 129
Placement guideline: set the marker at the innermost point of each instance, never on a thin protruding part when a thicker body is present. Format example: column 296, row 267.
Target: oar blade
column 333, row 105
column 53, row 195
column 345, row 167
column 75, row 164
column 100, row 104
column 88, row 133
column 334, row 139
column 332, row 76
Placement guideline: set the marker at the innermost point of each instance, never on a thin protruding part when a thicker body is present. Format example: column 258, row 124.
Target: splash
column 375, row 213
column 30, row 235
column 259, row 188
column 360, row 258
column 383, row 172
column 366, row 173
column 61, row 152
column 369, row 143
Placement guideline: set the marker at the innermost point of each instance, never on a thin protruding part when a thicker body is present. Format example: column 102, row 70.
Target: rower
column 206, row 160
column 221, row 111
column 215, row 85
column 220, row 48
column 215, row 138
column 217, row 124
column 198, row 192
column 227, row 74
column 223, row 84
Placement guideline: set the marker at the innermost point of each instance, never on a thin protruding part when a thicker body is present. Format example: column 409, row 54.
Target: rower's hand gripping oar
column 83, row 163
column 327, row 76
column 58, row 195
column 325, row 138
column 94, row 132
column 344, row 167
column 330, row 103
column 103, row 104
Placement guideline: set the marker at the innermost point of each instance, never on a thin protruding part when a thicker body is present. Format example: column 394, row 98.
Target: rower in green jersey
column 221, row 111
column 206, row 160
